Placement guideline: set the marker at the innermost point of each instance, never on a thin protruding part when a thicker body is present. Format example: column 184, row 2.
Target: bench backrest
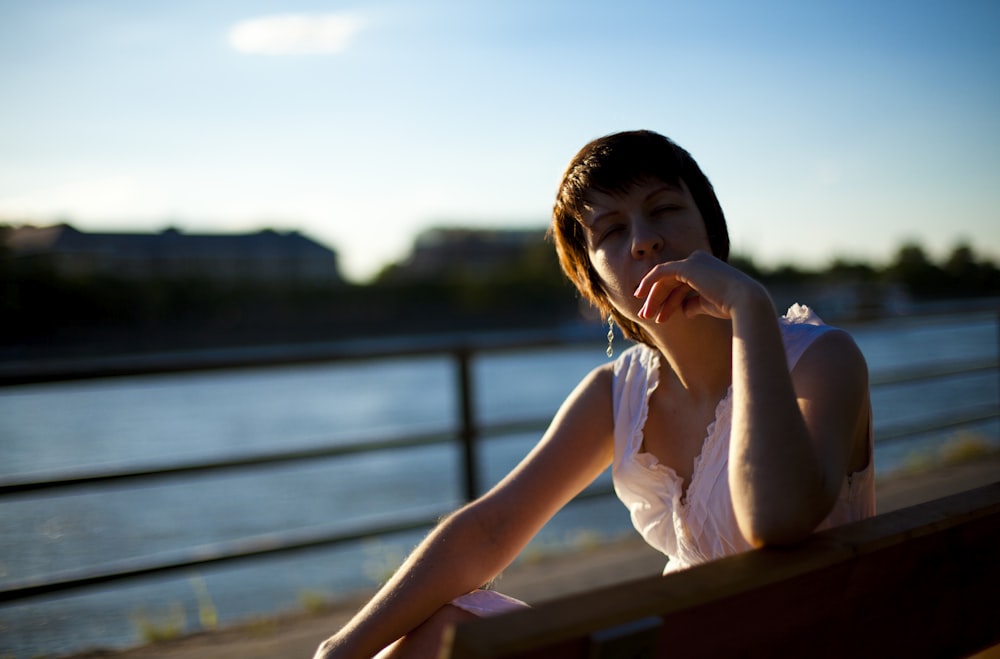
column 920, row 581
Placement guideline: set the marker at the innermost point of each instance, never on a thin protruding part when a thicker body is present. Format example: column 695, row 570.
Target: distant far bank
column 504, row 282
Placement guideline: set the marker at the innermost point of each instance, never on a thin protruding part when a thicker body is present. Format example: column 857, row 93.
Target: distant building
column 265, row 256
column 473, row 253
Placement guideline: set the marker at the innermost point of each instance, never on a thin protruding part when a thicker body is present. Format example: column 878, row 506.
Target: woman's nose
column 645, row 241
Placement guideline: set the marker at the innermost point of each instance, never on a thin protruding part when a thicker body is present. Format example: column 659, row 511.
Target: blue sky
column 830, row 129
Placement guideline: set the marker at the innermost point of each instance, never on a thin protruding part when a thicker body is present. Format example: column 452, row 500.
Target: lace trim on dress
column 642, row 457
column 682, row 488
column 652, row 382
column 722, row 408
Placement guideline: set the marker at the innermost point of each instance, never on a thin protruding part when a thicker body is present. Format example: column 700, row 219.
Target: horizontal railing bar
column 269, row 544
column 77, row 478
column 37, row 371
column 931, row 371
column 504, row 428
column 243, row 548
column 961, row 418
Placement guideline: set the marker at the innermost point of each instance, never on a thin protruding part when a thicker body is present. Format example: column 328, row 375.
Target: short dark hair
column 612, row 164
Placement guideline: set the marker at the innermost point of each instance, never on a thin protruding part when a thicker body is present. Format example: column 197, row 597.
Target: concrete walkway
column 298, row 636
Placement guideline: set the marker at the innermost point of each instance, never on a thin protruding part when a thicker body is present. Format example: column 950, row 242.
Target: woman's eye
column 612, row 231
column 665, row 209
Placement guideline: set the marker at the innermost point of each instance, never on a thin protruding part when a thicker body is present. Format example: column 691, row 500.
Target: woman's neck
column 699, row 352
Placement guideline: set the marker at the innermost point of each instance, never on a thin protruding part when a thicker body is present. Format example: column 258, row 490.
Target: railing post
column 468, row 430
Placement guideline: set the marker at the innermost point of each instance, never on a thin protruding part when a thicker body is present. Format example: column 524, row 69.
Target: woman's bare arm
column 793, row 435
column 474, row 544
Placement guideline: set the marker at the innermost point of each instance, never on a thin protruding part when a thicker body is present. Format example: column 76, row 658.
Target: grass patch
column 170, row 622
column 959, row 448
column 207, row 615
column 314, row 602
column 966, row 447
column 160, row 625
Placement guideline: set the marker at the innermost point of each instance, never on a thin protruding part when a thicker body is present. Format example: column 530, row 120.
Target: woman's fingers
column 655, row 276
column 696, row 285
column 658, row 287
column 675, row 298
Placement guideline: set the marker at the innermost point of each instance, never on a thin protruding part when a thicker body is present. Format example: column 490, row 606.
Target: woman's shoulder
column 802, row 331
column 601, row 374
column 819, row 350
column 635, row 369
column 596, row 384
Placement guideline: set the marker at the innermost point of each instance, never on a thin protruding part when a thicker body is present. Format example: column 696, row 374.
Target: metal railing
column 467, row 435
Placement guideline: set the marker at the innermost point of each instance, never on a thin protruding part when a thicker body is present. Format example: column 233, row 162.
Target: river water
column 146, row 421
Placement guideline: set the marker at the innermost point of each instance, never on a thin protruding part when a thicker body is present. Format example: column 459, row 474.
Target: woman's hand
column 698, row 285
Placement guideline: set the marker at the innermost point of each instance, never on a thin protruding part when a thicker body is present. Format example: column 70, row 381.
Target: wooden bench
column 917, row 582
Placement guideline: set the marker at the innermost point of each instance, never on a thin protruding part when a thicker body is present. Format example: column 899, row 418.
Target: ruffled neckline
column 708, row 443
column 650, row 462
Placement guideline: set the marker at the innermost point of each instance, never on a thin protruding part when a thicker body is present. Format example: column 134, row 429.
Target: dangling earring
column 611, row 336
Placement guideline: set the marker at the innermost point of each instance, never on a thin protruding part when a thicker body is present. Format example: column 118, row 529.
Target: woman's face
column 627, row 234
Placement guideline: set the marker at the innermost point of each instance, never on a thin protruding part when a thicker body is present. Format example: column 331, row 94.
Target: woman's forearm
column 774, row 476
column 457, row 557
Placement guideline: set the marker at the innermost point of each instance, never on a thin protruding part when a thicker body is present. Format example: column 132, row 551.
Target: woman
column 727, row 428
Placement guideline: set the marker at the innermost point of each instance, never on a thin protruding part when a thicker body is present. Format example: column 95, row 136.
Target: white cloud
column 296, row 34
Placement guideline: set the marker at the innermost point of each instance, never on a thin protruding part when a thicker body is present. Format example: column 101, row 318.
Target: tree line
column 960, row 274
column 45, row 314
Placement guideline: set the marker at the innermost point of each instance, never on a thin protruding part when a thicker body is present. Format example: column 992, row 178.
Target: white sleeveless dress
column 700, row 525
